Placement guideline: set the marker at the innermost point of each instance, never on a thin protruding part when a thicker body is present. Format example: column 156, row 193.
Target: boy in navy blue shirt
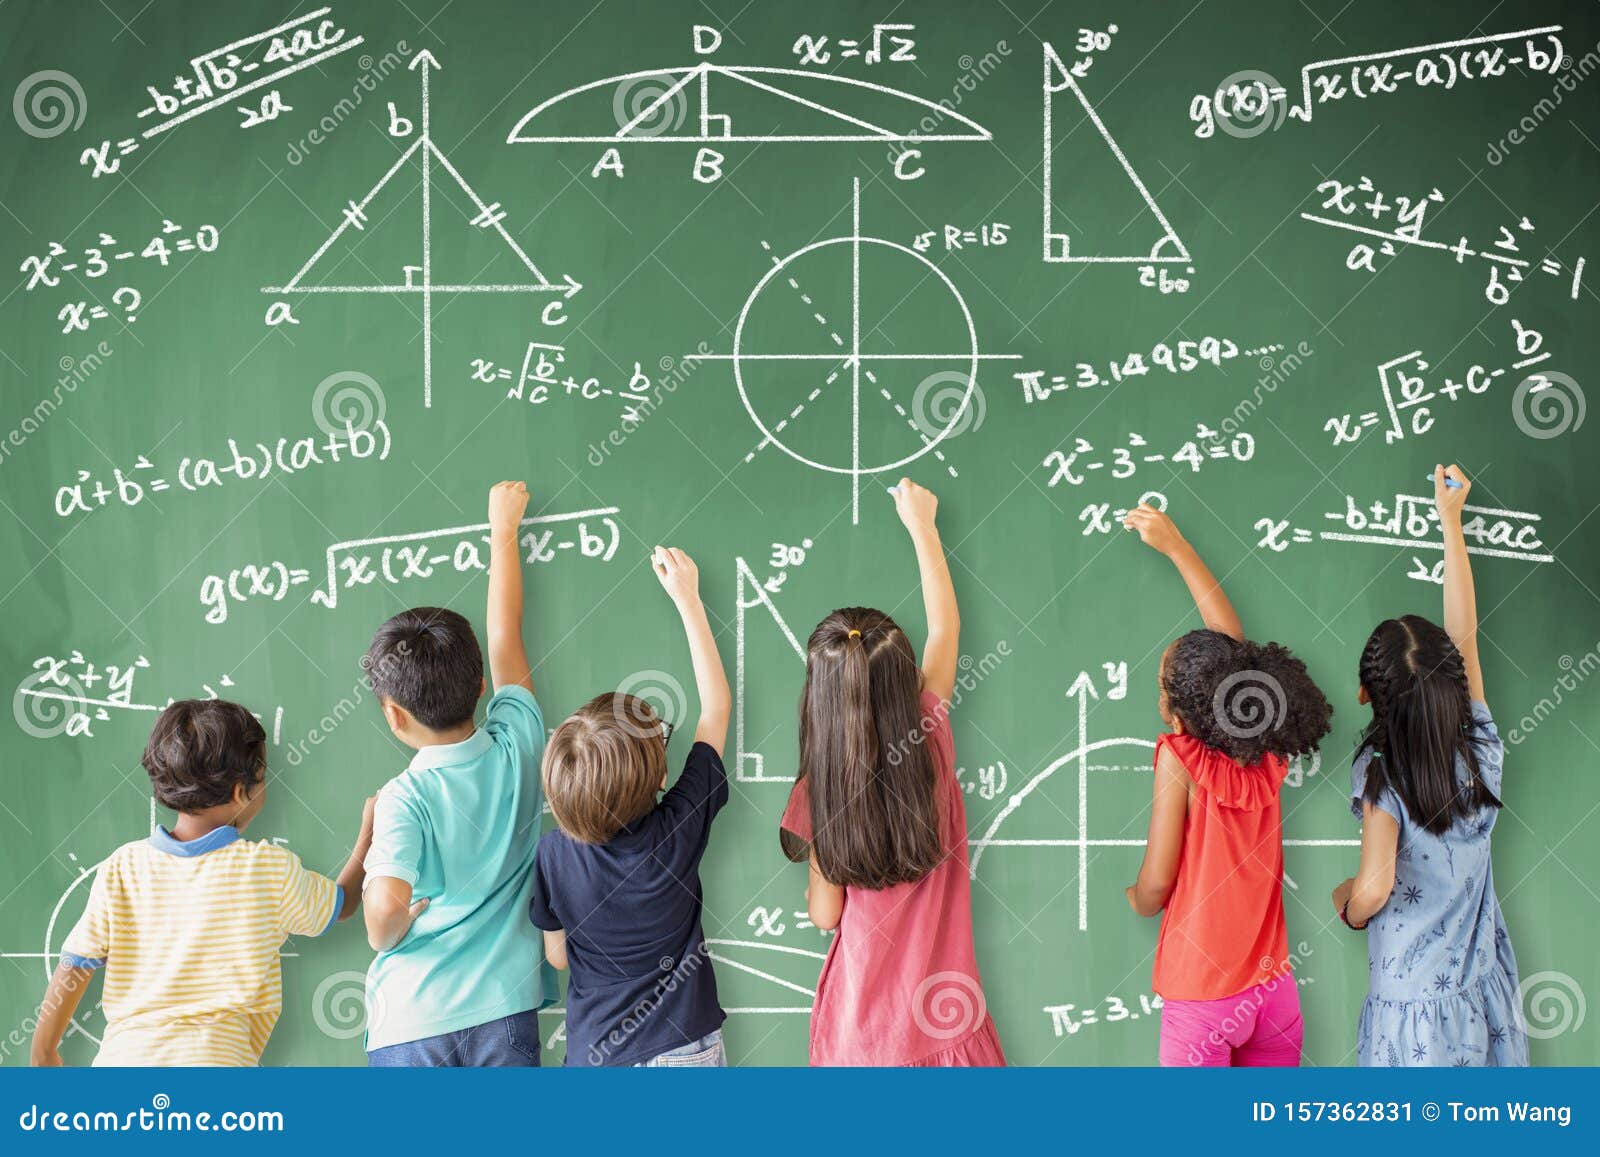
column 617, row 887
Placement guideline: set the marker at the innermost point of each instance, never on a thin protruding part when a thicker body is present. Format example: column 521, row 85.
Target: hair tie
column 854, row 634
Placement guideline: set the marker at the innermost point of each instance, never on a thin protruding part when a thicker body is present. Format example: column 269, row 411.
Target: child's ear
column 396, row 716
column 1361, row 695
column 483, row 685
column 1177, row 725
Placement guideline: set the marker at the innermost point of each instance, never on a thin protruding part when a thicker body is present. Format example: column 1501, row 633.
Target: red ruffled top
column 1223, row 929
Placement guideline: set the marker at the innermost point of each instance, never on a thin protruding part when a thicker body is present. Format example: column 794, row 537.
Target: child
column 1426, row 784
column 618, row 886
column 457, row 980
column 1213, row 864
column 877, row 812
column 187, row 924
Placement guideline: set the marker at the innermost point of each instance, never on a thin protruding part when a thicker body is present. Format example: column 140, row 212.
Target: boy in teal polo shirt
column 457, row 980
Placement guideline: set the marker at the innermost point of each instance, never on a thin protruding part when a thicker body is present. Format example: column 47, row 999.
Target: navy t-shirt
column 640, row 981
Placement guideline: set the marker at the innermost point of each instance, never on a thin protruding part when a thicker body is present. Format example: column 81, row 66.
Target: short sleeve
column 1490, row 748
column 396, row 849
column 309, row 903
column 514, row 721
column 539, row 909
column 797, row 815
column 702, row 786
column 88, row 945
column 1387, row 800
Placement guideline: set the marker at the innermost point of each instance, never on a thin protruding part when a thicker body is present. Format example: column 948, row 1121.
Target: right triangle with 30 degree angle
column 1096, row 208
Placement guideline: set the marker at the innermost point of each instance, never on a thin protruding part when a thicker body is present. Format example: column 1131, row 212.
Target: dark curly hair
column 427, row 660
column 1244, row 699
column 199, row 749
column 1421, row 724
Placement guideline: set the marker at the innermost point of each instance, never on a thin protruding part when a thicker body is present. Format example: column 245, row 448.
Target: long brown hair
column 864, row 755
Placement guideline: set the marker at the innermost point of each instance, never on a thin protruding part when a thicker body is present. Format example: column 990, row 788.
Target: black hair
column 1421, row 723
column 1244, row 699
column 199, row 749
column 427, row 660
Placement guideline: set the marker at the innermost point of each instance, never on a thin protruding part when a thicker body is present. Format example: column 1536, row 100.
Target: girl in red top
column 1213, row 864
column 878, row 814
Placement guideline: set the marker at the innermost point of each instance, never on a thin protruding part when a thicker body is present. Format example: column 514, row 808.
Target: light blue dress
column 1442, row 979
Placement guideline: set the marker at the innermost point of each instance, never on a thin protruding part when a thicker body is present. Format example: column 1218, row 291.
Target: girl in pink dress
column 877, row 813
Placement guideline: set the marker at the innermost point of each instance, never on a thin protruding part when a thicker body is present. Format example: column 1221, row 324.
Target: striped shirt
column 188, row 933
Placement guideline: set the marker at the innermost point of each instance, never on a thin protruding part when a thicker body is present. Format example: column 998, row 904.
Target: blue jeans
column 511, row 1041
column 707, row 1052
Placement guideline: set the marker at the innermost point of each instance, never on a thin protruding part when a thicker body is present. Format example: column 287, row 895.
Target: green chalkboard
column 290, row 289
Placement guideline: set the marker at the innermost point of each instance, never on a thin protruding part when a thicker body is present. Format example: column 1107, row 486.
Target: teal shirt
column 460, row 825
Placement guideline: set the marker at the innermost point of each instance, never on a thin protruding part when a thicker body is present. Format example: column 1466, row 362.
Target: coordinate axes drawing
column 418, row 279
column 1059, row 246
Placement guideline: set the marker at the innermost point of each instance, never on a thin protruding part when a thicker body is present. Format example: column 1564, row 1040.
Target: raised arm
column 1169, row 807
column 1460, row 600
column 681, row 579
column 918, row 508
column 508, row 656
column 1158, row 532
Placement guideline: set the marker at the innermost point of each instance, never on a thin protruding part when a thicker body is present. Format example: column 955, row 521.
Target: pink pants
column 1259, row 1026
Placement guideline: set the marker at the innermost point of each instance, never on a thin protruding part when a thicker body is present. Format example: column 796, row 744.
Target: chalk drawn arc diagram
column 747, row 75
column 971, row 357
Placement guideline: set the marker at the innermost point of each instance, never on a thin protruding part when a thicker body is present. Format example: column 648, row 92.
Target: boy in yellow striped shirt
column 187, row 924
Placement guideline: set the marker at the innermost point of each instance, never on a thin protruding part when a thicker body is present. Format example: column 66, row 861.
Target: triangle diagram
column 1096, row 209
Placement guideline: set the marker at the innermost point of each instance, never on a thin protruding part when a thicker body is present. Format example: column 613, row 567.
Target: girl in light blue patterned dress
column 1426, row 784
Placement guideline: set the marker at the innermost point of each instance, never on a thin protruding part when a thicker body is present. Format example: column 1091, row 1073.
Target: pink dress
column 900, row 985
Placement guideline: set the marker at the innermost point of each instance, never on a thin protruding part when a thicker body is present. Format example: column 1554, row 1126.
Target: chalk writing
column 885, row 43
column 539, row 378
column 130, row 487
column 992, row 234
column 226, row 74
column 1101, row 518
column 1185, row 356
column 1067, row 1019
column 45, row 270
column 394, row 559
column 1124, row 460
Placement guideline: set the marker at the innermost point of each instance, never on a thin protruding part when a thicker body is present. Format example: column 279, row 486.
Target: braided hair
column 1421, row 724
column 1242, row 698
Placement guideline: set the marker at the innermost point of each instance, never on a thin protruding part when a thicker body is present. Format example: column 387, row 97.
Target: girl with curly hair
column 1213, row 865
column 1426, row 784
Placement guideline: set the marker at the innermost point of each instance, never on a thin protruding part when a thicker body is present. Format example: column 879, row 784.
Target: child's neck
column 446, row 737
column 192, row 825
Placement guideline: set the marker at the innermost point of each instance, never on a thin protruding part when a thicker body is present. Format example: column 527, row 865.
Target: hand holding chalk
column 1450, row 488
column 1449, row 482
column 916, row 506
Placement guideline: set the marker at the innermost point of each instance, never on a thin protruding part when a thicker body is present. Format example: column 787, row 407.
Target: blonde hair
column 603, row 766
